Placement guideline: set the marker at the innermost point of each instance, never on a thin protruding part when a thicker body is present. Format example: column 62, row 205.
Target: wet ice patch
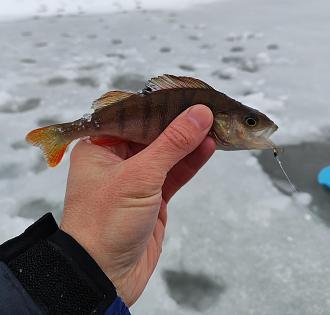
column 206, row 46
column 302, row 162
column 195, row 291
column 41, row 44
column 165, row 49
column 225, row 74
column 9, row 171
column 273, row 46
column 66, row 35
column 116, row 41
column 28, row 60
column 232, row 59
column 26, row 33
column 91, row 66
column 45, row 121
column 237, row 49
column 19, row 145
column 116, row 55
column 129, row 81
column 35, row 208
column 59, row 80
column 18, row 107
column 193, row 37
column 86, row 81
column 249, row 65
column 186, row 67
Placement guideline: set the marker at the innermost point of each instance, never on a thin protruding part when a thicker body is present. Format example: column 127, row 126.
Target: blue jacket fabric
column 118, row 307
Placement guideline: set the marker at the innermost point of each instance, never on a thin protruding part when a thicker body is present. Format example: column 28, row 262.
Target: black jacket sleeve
column 57, row 274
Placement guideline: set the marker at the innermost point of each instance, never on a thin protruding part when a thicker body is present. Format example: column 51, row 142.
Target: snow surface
column 247, row 247
column 14, row 9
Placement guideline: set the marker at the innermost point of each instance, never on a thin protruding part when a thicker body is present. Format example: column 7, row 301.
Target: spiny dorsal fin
column 110, row 98
column 168, row 81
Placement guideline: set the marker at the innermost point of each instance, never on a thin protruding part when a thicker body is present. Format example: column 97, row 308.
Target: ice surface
column 254, row 249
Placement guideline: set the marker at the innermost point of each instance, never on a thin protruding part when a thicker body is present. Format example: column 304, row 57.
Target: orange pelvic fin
column 106, row 140
column 52, row 141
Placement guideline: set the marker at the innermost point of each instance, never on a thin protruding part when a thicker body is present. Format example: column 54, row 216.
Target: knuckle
column 178, row 136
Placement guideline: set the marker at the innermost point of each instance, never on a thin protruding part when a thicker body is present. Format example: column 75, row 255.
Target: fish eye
column 251, row 121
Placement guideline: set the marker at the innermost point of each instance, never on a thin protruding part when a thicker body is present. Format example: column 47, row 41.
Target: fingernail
column 201, row 116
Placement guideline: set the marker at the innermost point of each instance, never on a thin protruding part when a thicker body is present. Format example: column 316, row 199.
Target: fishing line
column 294, row 189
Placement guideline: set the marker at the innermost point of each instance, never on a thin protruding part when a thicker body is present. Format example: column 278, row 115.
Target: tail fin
column 52, row 142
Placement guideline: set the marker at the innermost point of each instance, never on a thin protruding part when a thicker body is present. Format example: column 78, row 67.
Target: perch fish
column 141, row 117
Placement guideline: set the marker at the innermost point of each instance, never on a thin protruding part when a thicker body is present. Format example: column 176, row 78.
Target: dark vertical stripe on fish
column 146, row 117
column 182, row 102
column 163, row 112
column 212, row 99
column 121, row 119
column 194, row 97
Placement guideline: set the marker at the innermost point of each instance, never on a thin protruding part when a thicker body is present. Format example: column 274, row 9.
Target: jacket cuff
column 57, row 272
column 118, row 307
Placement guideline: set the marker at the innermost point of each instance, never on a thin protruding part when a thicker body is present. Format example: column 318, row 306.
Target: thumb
column 180, row 138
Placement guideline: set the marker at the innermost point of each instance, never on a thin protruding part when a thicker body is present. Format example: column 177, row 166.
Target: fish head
column 243, row 128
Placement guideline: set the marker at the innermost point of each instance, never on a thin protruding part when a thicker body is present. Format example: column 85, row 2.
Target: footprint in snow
column 91, row 66
column 10, row 171
column 57, row 81
column 116, row 41
column 273, row 47
column 20, row 107
column 237, row 49
column 116, row 55
column 193, row 37
column 86, row 81
column 186, row 67
column 28, row 61
column 41, row 44
column 165, row 49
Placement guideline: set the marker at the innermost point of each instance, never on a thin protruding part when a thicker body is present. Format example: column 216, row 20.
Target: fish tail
column 52, row 141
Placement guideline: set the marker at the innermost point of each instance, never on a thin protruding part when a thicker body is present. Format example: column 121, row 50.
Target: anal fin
column 107, row 141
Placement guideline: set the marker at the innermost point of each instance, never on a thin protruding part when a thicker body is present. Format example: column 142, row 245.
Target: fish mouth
column 256, row 140
column 262, row 138
column 266, row 133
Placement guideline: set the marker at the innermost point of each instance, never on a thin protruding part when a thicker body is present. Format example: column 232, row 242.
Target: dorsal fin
column 168, row 81
column 110, row 98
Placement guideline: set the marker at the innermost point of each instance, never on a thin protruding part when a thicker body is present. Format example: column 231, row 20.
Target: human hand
column 116, row 198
